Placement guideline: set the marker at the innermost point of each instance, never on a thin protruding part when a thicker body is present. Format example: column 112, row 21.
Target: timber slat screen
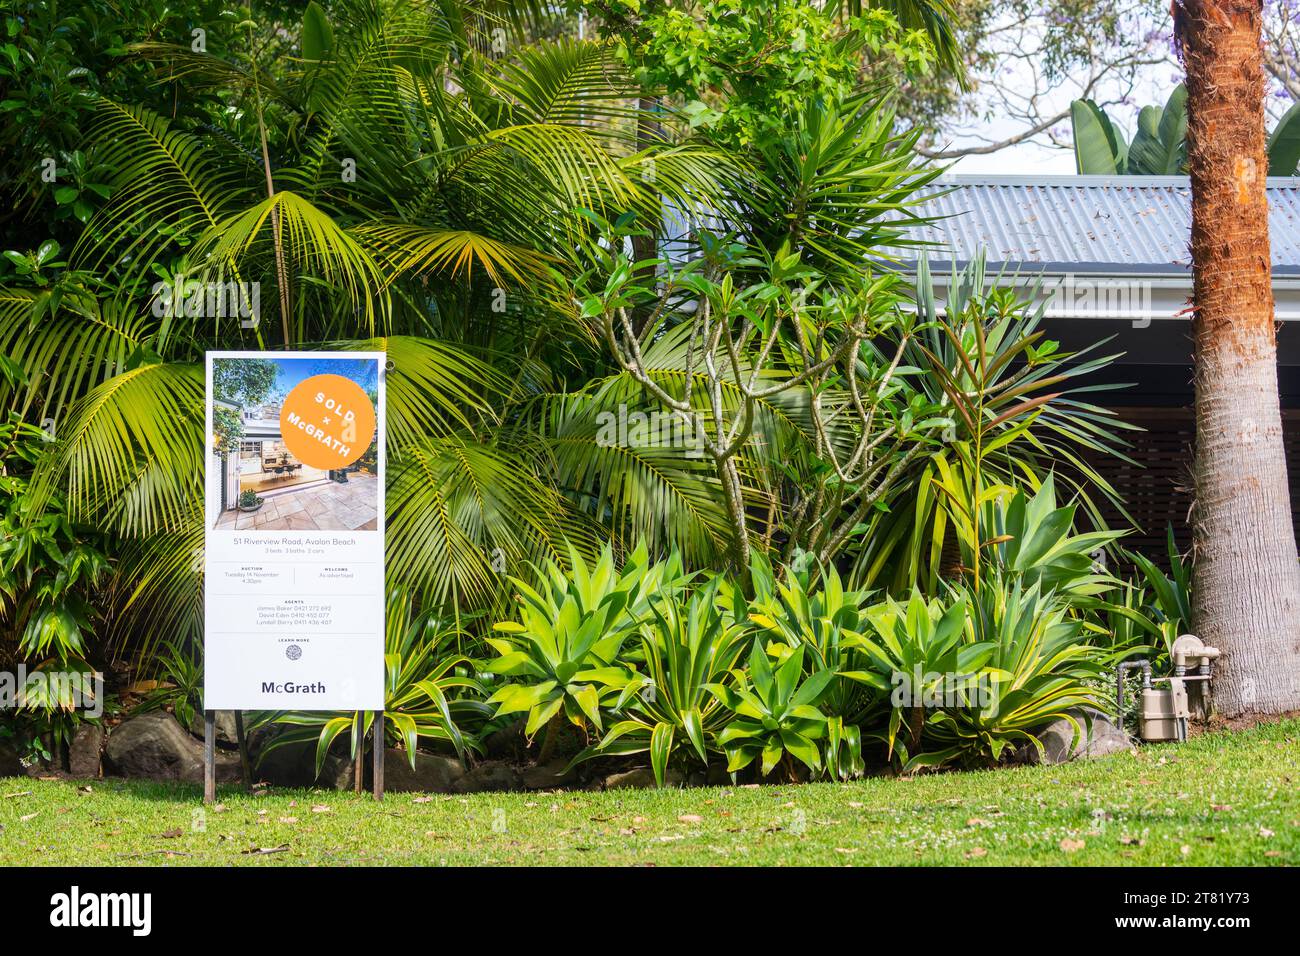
column 1159, row 492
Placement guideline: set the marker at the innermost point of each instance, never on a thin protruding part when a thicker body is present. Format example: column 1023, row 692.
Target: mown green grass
column 1229, row 798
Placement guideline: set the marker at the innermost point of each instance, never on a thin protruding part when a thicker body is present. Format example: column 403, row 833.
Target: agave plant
column 666, row 707
column 1033, row 539
column 813, row 611
column 774, row 713
column 919, row 650
column 1040, row 667
column 562, row 653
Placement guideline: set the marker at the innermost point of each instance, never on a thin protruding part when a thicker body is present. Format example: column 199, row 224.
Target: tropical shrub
column 813, row 611
column 178, row 685
column 666, row 707
column 1016, row 413
column 1040, row 667
column 48, row 565
column 562, row 654
column 1029, row 538
column 919, row 651
column 774, row 717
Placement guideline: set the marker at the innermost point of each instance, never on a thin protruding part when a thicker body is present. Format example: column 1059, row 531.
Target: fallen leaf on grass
column 1220, row 808
column 20, row 793
column 845, row 849
column 976, row 852
column 1071, row 846
column 170, row 834
column 977, row 822
column 1131, row 841
column 28, row 817
column 288, row 819
column 322, row 808
column 1265, row 832
column 690, row 818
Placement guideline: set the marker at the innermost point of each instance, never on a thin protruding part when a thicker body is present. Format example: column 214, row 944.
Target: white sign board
column 294, row 531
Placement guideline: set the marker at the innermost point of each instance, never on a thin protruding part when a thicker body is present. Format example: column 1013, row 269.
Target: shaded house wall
column 1045, row 233
column 1158, row 397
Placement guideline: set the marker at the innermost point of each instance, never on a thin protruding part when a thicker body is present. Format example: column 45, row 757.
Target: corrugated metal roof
column 1085, row 223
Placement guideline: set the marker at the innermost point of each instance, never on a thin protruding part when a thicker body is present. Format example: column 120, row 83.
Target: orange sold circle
column 327, row 421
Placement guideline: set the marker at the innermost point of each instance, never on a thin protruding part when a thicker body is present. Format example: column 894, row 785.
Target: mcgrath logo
column 293, row 652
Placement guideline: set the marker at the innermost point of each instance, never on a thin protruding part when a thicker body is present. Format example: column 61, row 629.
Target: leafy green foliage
column 917, row 649
column 1043, row 671
column 815, row 613
column 1159, row 146
column 739, row 87
column 49, row 566
column 565, row 645
column 666, row 707
column 179, row 684
column 775, row 714
column 1016, row 415
column 431, row 693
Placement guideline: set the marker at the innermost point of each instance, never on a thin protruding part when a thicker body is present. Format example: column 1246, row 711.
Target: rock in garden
column 155, row 747
column 294, row 765
column 10, row 765
column 549, row 776
column 433, row 773
column 1097, row 739
column 642, row 778
column 486, row 777
column 224, row 722
column 84, row 752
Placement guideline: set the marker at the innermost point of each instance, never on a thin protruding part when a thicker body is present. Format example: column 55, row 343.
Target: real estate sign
column 294, row 531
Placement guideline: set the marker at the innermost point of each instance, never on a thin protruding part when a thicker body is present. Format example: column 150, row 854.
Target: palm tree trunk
column 1246, row 595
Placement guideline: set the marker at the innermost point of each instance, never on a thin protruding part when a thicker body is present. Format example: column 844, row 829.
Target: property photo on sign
column 295, row 443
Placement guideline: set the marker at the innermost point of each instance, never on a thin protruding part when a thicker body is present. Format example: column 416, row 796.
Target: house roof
column 1073, row 224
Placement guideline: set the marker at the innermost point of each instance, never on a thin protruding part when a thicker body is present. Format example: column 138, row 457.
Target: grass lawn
column 1230, row 798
